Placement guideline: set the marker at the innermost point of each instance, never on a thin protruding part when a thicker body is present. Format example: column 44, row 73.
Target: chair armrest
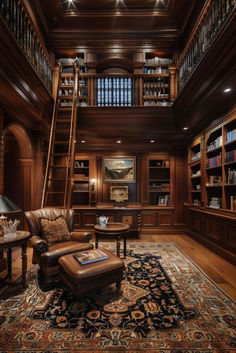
column 39, row 244
column 82, row 237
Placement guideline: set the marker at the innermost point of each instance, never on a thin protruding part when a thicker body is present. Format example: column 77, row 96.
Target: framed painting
column 119, row 169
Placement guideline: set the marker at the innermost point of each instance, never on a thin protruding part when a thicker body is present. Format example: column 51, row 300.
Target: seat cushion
column 55, row 251
column 55, row 230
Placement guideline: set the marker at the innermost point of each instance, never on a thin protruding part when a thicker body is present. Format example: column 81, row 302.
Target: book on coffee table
column 86, row 257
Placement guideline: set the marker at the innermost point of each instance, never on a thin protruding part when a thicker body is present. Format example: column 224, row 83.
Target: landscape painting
column 120, row 170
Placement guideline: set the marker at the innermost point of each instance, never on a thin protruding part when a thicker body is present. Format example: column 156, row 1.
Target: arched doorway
column 18, row 166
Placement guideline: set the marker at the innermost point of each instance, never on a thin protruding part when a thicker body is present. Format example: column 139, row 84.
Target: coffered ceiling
column 123, row 26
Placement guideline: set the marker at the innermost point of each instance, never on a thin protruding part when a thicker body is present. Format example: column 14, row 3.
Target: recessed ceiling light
column 185, row 128
column 118, row 141
column 83, row 141
column 227, row 90
column 152, row 141
column 70, row 1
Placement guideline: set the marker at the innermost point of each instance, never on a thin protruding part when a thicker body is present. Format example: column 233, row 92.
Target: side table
column 113, row 230
column 8, row 242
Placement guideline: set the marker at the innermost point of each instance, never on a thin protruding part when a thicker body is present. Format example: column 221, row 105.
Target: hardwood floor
column 219, row 270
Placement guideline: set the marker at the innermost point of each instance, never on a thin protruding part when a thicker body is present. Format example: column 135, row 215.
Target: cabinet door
column 165, row 218
column 148, row 219
column 89, row 219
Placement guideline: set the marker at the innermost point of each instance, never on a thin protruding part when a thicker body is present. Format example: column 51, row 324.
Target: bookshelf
column 81, row 188
column 212, row 167
column 195, row 173
column 159, row 182
column 155, row 82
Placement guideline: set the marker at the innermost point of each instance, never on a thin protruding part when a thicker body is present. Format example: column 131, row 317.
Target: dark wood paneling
column 230, row 235
column 215, row 230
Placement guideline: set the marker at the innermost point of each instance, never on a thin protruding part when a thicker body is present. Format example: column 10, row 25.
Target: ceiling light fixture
column 83, row 141
column 227, row 90
column 152, row 141
column 118, row 141
column 185, row 128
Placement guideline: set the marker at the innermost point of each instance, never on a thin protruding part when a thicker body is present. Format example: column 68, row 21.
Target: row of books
column 114, row 91
column 67, row 81
column 230, row 156
column 158, row 70
column 158, row 61
column 233, row 203
column 231, row 176
column 216, row 143
column 214, row 161
column 231, row 135
column 155, row 103
column 65, row 92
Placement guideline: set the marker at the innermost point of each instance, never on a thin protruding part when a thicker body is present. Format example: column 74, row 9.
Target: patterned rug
column 165, row 305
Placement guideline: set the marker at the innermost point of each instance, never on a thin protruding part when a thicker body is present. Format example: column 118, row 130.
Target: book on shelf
column 230, row 156
column 231, row 135
column 89, row 256
column 233, row 203
column 231, row 176
column 216, row 143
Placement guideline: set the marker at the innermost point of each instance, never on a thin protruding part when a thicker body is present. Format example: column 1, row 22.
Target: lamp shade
column 7, row 206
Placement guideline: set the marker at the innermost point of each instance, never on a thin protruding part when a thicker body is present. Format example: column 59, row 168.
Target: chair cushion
column 54, row 230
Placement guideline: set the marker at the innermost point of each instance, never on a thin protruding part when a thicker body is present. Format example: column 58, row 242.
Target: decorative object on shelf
column 162, row 201
column 119, row 194
column 102, row 221
column 118, row 169
column 7, row 206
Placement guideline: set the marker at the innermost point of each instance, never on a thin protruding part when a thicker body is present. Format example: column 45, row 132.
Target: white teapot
column 102, row 220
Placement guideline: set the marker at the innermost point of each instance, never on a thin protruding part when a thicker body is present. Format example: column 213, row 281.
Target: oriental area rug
column 165, row 304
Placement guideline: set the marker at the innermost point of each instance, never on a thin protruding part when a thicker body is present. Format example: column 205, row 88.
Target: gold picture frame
column 119, row 170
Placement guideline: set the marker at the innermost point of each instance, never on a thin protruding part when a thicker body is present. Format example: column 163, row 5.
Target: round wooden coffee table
column 113, row 230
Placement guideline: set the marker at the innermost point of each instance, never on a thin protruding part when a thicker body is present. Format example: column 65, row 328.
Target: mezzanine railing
column 210, row 23
column 18, row 22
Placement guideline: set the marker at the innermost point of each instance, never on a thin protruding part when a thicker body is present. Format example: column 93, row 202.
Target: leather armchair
column 45, row 255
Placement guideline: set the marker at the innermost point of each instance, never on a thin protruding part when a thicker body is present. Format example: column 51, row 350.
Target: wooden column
column 27, row 177
column 172, row 92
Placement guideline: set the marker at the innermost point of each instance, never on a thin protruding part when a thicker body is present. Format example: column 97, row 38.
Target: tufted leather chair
column 45, row 255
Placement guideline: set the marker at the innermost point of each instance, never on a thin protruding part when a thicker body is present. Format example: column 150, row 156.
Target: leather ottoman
column 84, row 278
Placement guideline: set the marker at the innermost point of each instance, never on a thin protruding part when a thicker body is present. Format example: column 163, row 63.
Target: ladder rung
column 55, row 192
column 62, row 179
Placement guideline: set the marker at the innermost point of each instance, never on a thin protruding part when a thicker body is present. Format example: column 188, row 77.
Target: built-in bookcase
column 81, row 188
column 194, row 171
column 212, row 168
column 159, row 182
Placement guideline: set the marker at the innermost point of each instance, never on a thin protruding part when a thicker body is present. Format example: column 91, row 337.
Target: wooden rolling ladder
column 60, row 160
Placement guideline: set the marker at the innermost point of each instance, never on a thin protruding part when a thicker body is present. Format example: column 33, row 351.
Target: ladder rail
column 71, row 147
column 52, row 132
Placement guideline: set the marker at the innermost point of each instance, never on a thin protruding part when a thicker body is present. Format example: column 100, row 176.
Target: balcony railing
column 18, row 22
column 210, row 23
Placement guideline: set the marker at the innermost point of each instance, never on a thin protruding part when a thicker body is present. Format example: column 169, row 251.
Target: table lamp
column 6, row 206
